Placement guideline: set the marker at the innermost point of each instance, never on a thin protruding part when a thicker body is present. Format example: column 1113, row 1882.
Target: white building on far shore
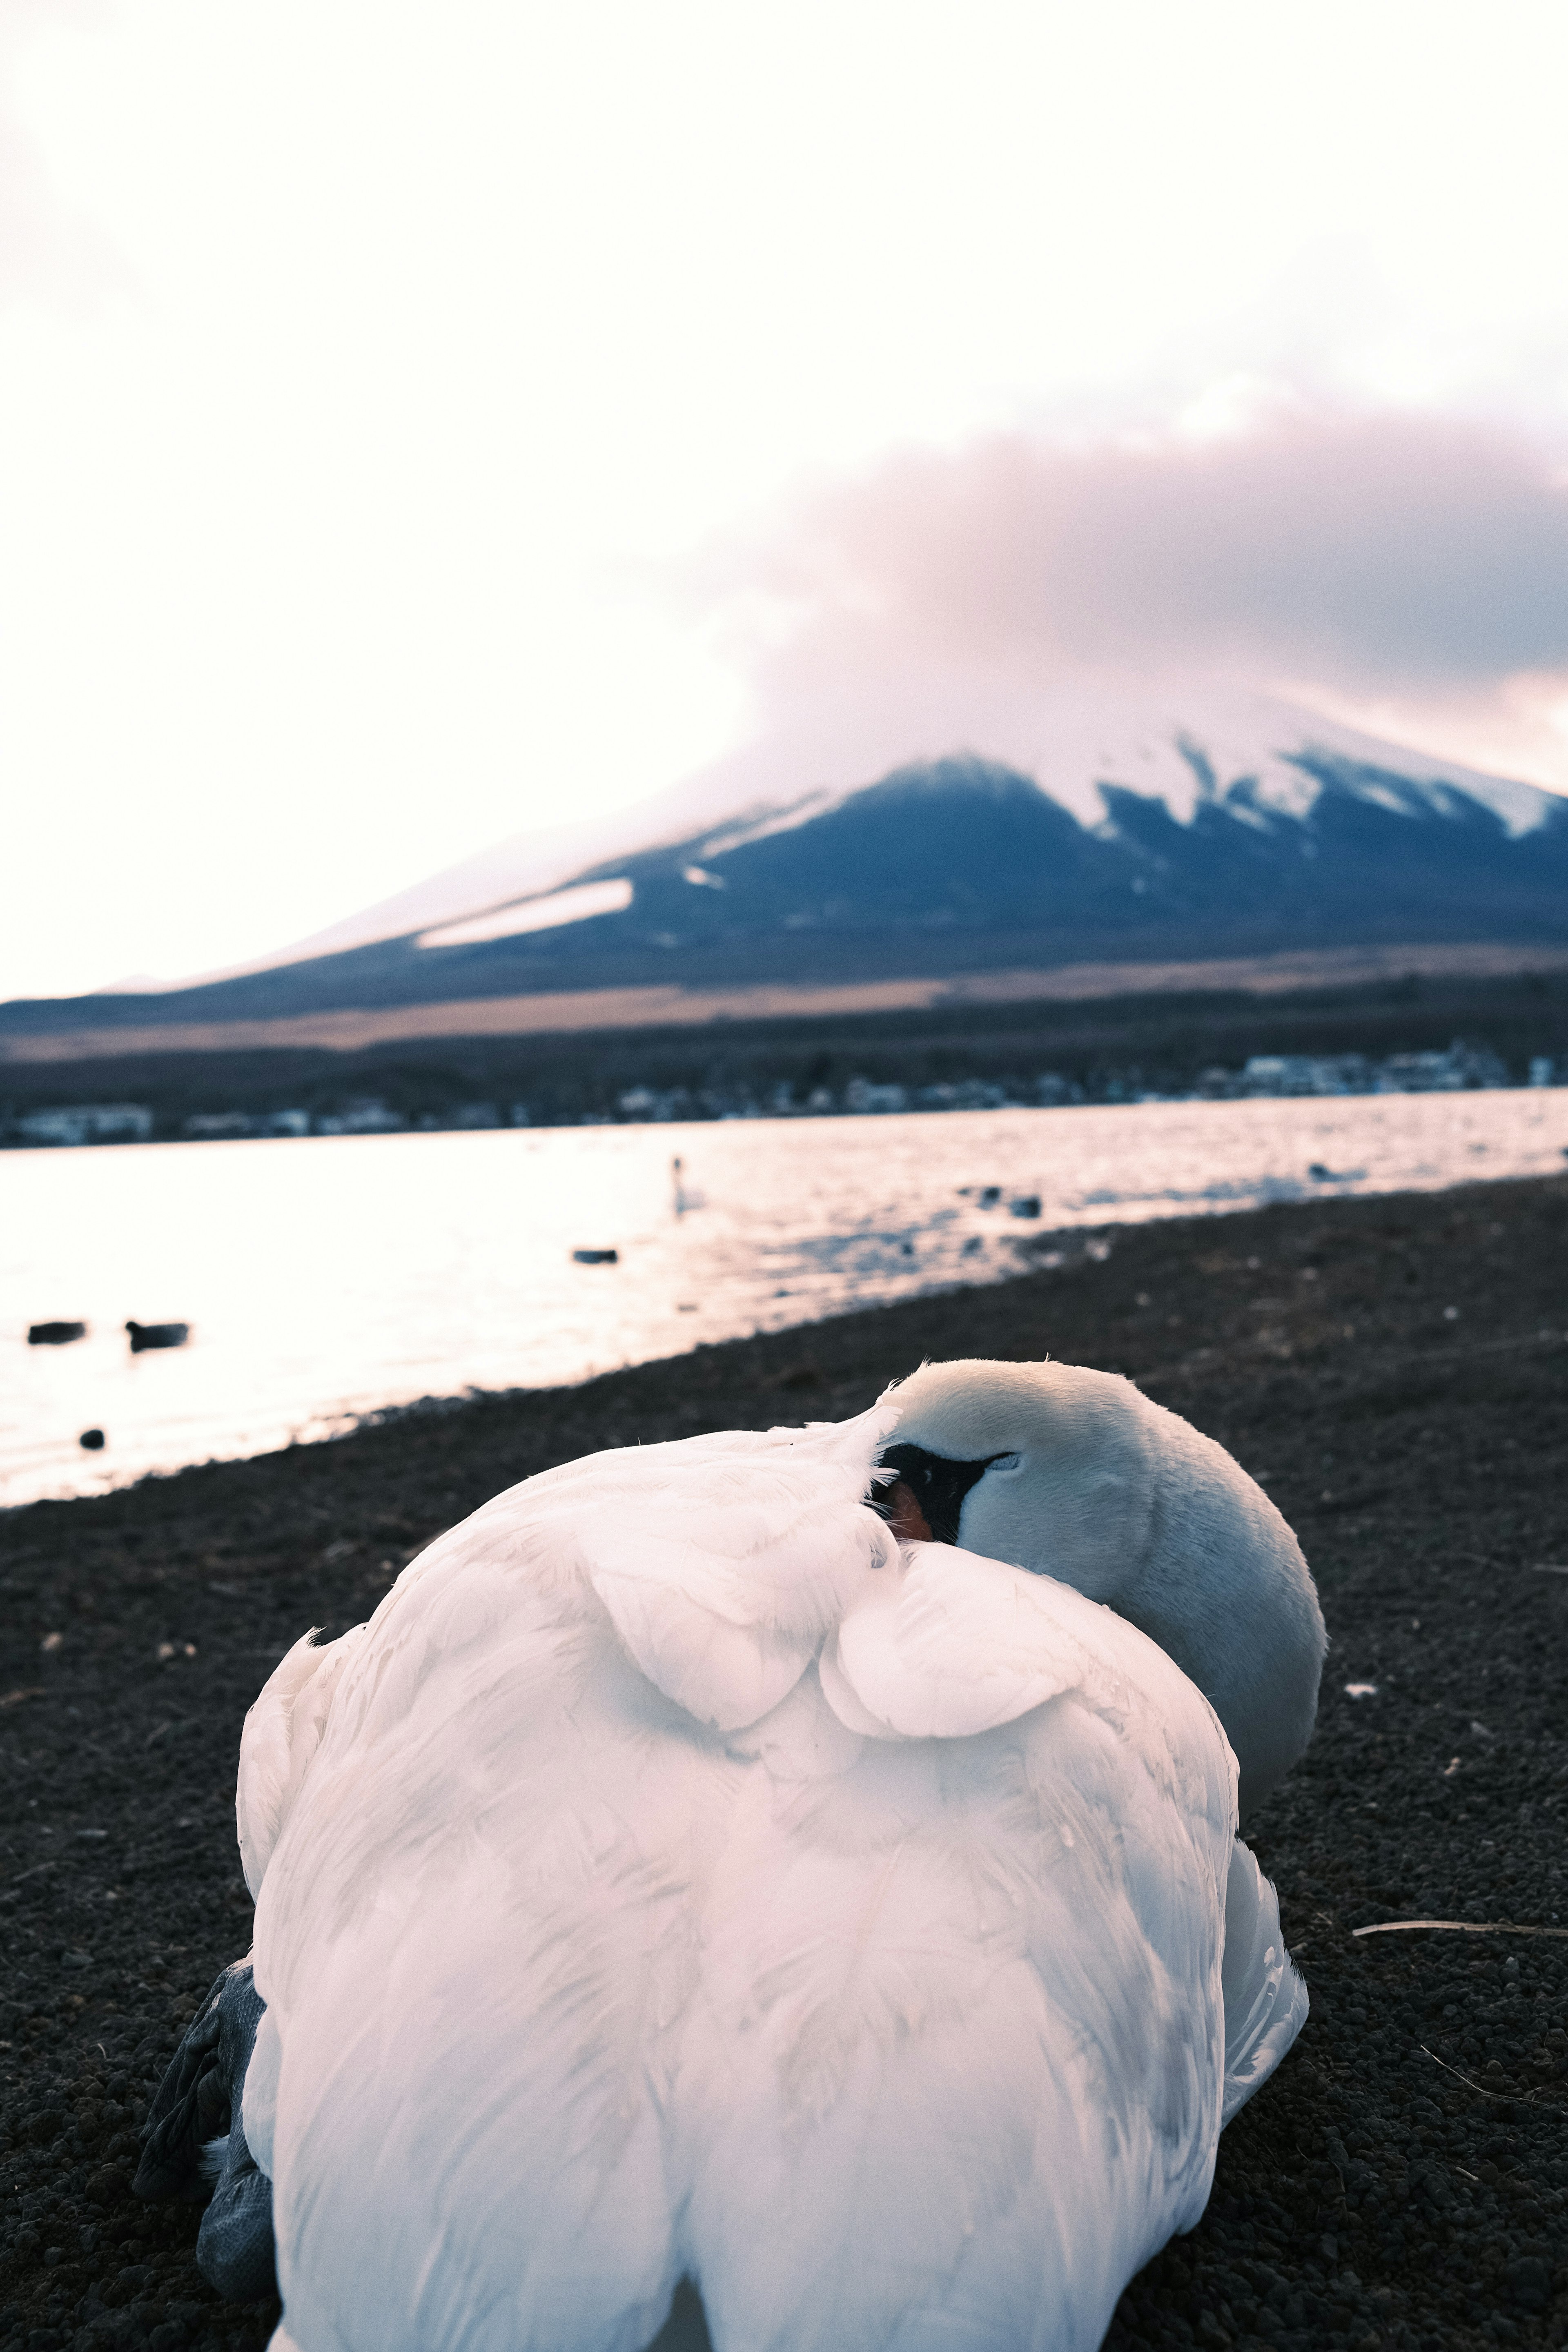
column 88, row 1123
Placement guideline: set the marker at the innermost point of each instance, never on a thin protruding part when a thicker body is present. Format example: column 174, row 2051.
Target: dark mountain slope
column 966, row 865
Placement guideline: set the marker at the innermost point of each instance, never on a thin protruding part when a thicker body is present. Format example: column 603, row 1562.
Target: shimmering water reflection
column 327, row 1277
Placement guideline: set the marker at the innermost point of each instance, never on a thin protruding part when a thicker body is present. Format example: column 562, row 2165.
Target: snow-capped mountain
column 1086, row 827
column 1179, row 747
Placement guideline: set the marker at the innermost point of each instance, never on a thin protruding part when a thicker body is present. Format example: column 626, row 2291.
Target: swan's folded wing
column 1265, row 1997
column 949, row 1644
column 721, row 1573
column 956, row 2074
column 481, row 2116
column 479, row 1937
column 721, row 1561
column 282, row 1732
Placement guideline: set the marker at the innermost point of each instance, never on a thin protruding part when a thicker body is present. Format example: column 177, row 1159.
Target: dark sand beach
column 1395, row 1370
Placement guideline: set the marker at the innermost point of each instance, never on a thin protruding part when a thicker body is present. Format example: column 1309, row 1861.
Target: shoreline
column 806, row 1226
column 1402, row 2180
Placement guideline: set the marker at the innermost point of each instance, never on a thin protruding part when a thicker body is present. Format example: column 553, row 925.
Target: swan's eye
column 1002, row 1463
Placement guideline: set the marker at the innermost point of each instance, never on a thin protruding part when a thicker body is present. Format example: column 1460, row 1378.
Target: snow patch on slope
column 551, row 913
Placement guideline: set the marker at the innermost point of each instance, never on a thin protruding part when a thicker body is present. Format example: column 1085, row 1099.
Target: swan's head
column 1075, row 1474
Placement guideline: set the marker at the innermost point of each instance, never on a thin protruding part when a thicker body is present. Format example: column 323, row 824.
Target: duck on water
column 803, row 1864
column 156, row 1335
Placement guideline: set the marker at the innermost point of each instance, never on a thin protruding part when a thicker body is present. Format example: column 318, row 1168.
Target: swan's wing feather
column 482, row 1934
column 956, row 2071
column 1264, row 1996
column 721, row 1560
column 475, row 1935
column 953, row 1644
column 723, row 1570
column 949, row 1644
column 724, row 1610
column 281, row 1734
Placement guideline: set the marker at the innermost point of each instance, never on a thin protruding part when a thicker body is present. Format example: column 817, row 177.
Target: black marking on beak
column 929, row 1488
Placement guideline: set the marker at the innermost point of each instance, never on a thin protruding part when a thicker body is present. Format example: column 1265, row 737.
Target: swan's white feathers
column 725, row 1620
column 281, row 1734
column 475, row 1979
column 258, row 2100
column 939, row 2026
column 676, row 1877
column 1265, row 1999
column 950, row 1643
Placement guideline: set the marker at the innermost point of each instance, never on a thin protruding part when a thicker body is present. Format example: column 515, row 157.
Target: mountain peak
column 1096, row 827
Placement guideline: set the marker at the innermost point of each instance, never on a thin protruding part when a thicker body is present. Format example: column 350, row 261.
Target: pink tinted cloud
column 1367, row 552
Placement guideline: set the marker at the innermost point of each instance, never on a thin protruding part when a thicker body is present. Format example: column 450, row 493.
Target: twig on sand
column 1479, row 2088
column 1457, row 1928
column 23, row 1875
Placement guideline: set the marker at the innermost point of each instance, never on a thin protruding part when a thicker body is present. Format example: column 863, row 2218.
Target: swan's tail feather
column 1265, row 1995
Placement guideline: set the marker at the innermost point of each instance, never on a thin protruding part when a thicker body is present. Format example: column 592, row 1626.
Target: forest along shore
column 1395, row 1370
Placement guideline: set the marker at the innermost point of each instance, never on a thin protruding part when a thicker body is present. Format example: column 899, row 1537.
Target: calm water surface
column 327, row 1277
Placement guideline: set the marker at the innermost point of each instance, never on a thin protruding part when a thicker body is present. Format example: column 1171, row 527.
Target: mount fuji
column 1084, row 828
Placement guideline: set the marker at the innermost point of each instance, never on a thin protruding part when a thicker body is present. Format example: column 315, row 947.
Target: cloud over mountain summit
column 1373, row 554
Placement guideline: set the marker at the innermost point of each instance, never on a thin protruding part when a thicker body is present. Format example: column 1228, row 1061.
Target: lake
column 328, row 1277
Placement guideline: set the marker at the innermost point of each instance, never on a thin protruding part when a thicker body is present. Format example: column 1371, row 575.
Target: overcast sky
column 419, row 423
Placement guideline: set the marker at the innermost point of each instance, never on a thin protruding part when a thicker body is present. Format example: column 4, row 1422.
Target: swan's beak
column 903, row 1513
column 923, row 1504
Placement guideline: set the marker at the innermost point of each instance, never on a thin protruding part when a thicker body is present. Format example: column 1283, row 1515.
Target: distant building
column 472, row 1115
column 216, row 1126
column 365, row 1115
column 226, row 1126
column 1306, row 1074
column 88, row 1123
column 861, row 1097
column 643, row 1103
column 1461, row 1069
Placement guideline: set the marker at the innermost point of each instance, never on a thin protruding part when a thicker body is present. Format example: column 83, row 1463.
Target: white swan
column 681, row 1874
